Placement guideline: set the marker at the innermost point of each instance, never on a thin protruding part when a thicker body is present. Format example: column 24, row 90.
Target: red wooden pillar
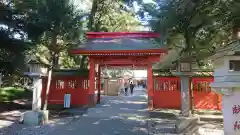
column 150, row 86
column 91, row 88
column 99, row 84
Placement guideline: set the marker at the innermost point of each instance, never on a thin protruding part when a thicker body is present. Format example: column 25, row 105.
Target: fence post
column 191, row 94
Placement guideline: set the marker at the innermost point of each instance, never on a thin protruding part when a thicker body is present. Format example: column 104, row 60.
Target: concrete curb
column 207, row 112
column 217, row 118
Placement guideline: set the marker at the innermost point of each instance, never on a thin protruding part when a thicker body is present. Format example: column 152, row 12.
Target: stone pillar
column 185, row 96
column 37, row 90
column 150, row 86
column 91, row 89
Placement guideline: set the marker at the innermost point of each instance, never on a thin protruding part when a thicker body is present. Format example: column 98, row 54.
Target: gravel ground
column 166, row 127
column 47, row 128
column 108, row 113
column 13, row 127
column 160, row 127
column 211, row 128
column 162, row 123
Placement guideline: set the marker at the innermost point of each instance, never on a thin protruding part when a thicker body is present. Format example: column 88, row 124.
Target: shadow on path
column 114, row 116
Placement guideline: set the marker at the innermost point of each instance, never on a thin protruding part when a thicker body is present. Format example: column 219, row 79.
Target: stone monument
column 227, row 83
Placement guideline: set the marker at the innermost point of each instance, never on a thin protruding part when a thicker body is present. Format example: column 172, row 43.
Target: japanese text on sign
column 236, row 109
column 236, row 125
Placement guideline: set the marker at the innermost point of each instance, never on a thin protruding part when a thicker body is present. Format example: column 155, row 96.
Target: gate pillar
column 91, row 88
column 150, row 86
column 99, row 85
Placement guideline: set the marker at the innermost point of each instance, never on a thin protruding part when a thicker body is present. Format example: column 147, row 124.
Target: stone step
column 186, row 125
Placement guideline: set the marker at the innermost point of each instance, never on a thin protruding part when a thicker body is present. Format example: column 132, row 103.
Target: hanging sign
column 67, row 100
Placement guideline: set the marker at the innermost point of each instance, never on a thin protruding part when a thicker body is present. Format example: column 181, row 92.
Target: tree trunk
column 55, row 59
column 82, row 63
column 236, row 29
column 92, row 15
column 48, row 88
column 188, row 48
column 54, row 63
column 90, row 26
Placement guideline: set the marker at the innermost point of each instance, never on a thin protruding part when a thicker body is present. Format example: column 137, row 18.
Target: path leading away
column 121, row 115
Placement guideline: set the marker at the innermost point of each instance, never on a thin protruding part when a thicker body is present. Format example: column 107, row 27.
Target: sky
column 147, row 1
column 144, row 20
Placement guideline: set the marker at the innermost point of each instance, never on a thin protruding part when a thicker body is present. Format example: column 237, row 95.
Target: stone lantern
column 184, row 71
column 33, row 117
column 36, row 67
column 35, row 72
column 186, row 120
column 227, row 83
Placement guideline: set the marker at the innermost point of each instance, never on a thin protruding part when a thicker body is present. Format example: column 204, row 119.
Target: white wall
column 140, row 73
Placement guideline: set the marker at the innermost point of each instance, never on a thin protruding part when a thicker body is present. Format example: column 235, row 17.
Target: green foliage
column 61, row 24
column 196, row 27
column 112, row 16
column 12, row 93
column 65, row 23
column 14, row 43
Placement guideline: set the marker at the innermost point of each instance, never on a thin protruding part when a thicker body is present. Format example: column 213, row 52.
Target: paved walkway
column 122, row 115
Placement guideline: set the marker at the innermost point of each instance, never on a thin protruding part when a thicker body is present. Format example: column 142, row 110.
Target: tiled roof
column 120, row 44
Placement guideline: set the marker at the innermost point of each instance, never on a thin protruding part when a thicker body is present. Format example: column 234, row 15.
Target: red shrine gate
column 120, row 49
column 114, row 49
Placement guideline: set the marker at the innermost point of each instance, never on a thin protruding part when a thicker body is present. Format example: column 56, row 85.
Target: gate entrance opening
column 120, row 49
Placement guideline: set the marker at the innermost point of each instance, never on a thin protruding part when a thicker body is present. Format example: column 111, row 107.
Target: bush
column 13, row 93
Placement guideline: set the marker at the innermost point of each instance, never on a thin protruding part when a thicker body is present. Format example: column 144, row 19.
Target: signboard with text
column 231, row 114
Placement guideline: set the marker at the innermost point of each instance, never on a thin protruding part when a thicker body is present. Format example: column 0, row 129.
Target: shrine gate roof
column 119, row 42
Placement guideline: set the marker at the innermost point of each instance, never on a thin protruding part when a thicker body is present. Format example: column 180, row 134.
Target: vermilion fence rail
column 203, row 97
column 167, row 93
column 76, row 86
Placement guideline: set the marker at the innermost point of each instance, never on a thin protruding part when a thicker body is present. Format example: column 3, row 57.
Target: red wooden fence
column 203, row 97
column 167, row 93
column 60, row 85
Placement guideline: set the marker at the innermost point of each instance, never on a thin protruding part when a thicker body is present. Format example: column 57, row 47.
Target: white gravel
column 211, row 128
column 46, row 128
column 21, row 129
column 156, row 127
column 166, row 127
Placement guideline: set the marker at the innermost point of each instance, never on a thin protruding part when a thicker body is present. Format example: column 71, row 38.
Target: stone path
column 114, row 116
